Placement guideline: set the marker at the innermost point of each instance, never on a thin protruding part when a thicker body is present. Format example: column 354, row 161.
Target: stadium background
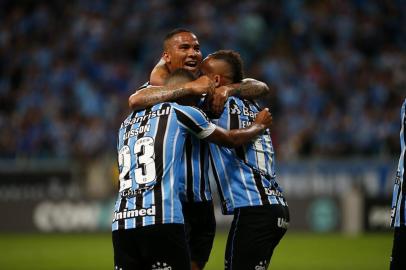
column 68, row 67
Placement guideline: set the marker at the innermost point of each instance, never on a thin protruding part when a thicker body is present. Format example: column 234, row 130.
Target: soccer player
column 398, row 220
column 181, row 49
column 245, row 176
column 148, row 230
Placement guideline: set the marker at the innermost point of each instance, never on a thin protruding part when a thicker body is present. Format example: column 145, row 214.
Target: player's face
column 183, row 51
column 216, row 70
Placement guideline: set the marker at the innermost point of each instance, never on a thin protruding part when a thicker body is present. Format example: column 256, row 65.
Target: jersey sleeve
column 195, row 121
column 145, row 85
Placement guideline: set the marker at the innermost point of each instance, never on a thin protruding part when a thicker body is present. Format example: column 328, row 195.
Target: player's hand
column 200, row 86
column 218, row 99
column 264, row 118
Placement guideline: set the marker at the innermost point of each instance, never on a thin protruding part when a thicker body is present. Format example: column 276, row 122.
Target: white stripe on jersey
column 398, row 196
column 163, row 172
column 228, row 179
column 169, row 187
column 242, row 176
column 205, row 132
column 247, row 188
column 260, row 155
column 146, row 219
column 184, row 190
column 193, row 169
column 173, row 176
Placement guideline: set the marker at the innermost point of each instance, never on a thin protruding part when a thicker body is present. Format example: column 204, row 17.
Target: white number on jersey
column 145, row 172
column 144, row 149
column 124, row 162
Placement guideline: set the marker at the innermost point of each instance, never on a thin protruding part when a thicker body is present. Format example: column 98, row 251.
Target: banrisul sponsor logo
column 150, row 115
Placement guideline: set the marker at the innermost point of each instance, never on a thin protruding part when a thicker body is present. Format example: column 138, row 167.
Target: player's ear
column 217, row 80
column 166, row 57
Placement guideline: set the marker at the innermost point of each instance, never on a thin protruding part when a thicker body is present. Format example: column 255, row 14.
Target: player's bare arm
column 155, row 94
column 248, row 88
column 237, row 137
column 159, row 73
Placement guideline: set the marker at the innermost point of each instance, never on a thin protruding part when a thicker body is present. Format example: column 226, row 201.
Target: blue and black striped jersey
column 245, row 176
column 150, row 156
column 399, row 190
column 196, row 162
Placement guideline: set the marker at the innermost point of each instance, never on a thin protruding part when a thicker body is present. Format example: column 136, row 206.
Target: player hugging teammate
column 398, row 215
column 164, row 217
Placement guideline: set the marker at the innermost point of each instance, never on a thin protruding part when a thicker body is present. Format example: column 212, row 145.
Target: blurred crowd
column 68, row 67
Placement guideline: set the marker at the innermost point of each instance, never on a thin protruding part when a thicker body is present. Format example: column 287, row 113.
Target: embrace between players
column 164, row 217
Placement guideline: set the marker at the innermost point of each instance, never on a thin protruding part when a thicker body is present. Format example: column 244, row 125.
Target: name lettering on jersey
column 136, row 131
column 134, row 213
column 152, row 114
column 130, row 193
column 234, row 109
column 283, row 223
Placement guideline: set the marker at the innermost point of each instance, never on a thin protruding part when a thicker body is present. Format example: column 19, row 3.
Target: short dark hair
column 175, row 32
column 233, row 59
column 180, row 75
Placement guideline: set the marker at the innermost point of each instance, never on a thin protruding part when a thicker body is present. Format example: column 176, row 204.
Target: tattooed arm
column 248, row 88
column 155, row 94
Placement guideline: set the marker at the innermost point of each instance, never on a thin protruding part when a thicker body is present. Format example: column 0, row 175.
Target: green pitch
column 296, row 251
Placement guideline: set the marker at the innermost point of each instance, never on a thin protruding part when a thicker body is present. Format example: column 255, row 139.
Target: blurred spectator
column 66, row 69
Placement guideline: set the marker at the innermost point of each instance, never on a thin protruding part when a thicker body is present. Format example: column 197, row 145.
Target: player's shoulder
column 232, row 101
column 185, row 107
column 404, row 105
column 191, row 111
column 143, row 86
column 242, row 102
